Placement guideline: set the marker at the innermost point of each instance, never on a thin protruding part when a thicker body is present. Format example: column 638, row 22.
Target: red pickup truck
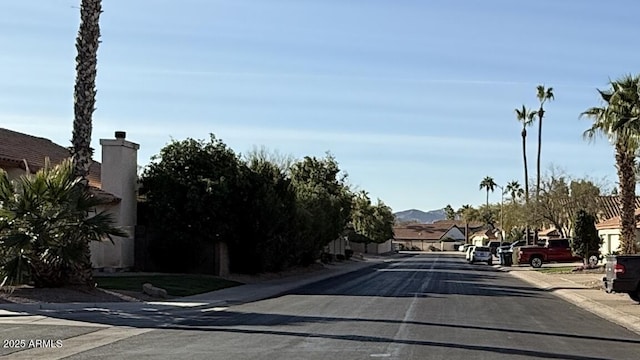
column 553, row 250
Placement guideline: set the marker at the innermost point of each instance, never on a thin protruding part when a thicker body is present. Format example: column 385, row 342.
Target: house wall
column 479, row 240
column 611, row 240
column 14, row 173
column 422, row 245
column 336, row 247
column 117, row 254
column 375, row 249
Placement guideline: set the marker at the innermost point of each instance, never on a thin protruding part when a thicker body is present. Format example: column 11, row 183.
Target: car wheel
column 489, row 262
column 535, row 262
column 635, row 296
column 593, row 260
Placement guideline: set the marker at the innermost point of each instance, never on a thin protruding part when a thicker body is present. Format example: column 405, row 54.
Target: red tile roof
column 16, row 148
column 421, row 231
column 616, row 222
column 610, row 207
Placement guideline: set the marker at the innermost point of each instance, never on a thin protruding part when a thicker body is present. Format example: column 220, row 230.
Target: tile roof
column 610, row 207
column 16, row 148
column 615, row 222
column 489, row 233
column 421, row 231
column 549, row 232
column 459, row 223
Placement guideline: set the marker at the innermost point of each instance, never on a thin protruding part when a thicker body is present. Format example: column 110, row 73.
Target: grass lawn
column 176, row 285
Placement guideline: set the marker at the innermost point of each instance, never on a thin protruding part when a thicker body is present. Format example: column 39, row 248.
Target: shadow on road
column 376, row 339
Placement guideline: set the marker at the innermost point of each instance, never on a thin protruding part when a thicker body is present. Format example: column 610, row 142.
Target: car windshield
column 483, row 248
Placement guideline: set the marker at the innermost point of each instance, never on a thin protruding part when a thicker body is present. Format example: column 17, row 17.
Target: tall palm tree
column 87, row 43
column 465, row 214
column 526, row 117
column 488, row 184
column 616, row 120
column 544, row 95
column 514, row 189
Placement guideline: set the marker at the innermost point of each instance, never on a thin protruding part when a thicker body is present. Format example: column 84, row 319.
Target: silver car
column 481, row 254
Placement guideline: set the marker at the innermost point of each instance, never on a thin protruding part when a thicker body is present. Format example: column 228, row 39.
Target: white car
column 481, row 254
column 464, row 247
column 469, row 253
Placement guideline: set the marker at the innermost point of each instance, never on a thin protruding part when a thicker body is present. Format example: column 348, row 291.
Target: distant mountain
column 420, row 216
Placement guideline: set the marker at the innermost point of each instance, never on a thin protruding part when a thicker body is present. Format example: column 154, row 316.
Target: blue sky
column 414, row 98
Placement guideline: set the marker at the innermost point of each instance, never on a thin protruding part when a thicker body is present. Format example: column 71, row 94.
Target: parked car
column 482, row 254
column 553, row 250
column 493, row 246
column 464, row 247
column 505, row 245
column 622, row 275
column 467, row 255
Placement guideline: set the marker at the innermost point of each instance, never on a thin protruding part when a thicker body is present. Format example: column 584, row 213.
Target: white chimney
column 119, row 176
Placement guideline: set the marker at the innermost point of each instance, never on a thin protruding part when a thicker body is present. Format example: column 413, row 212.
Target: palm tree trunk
column 84, row 104
column 487, row 198
column 538, row 175
column 526, row 177
column 626, row 174
column 538, row 160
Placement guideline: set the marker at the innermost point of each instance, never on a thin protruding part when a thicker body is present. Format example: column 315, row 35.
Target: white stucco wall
column 375, row 249
column 611, row 240
column 336, row 247
column 479, row 240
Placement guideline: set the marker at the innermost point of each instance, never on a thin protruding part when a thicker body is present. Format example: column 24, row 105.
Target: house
column 114, row 180
column 423, row 237
column 550, row 233
column 610, row 232
column 482, row 237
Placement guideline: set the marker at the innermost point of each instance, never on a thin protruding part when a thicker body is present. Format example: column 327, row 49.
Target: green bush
column 45, row 225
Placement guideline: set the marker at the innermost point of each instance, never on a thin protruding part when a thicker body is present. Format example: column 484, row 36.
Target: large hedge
column 271, row 216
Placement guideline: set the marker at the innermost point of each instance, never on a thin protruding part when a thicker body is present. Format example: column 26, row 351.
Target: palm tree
column 465, row 213
column 526, row 117
column 514, row 189
column 87, row 43
column 44, row 223
column 543, row 95
column 488, row 184
column 616, row 121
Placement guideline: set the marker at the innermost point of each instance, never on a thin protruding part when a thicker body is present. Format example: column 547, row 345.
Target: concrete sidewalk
column 578, row 290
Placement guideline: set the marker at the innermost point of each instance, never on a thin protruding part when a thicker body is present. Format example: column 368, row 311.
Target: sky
column 415, row 99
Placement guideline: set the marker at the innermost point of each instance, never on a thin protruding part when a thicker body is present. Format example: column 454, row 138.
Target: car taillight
column 619, row 269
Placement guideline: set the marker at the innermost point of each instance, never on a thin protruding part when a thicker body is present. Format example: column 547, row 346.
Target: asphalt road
column 432, row 306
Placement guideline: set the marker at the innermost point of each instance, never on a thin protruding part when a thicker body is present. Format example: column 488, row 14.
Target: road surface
column 429, row 306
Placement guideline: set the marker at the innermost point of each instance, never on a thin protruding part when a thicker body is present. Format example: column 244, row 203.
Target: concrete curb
column 605, row 311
